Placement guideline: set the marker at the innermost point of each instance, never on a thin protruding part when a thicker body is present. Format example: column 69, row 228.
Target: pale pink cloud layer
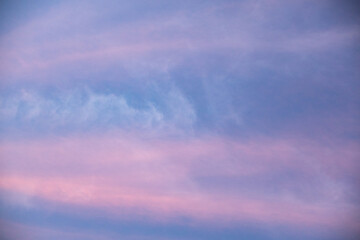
column 29, row 50
column 14, row 230
column 157, row 178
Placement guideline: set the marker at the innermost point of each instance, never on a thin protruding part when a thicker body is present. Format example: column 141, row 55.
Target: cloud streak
column 30, row 50
column 123, row 172
column 80, row 109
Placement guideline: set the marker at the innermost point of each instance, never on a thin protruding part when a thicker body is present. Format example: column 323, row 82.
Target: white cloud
column 86, row 108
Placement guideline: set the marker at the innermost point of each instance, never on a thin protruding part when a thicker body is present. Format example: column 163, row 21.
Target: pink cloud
column 29, row 49
column 198, row 206
column 14, row 230
column 156, row 177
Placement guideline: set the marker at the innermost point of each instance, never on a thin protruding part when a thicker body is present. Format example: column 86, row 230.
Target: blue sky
column 179, row 119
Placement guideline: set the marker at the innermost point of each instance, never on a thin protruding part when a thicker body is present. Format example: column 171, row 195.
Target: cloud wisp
column 82, row 109
column 162, row 178
column 172, row 37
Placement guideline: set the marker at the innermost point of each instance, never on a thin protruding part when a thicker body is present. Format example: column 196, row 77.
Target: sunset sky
column 177, row 120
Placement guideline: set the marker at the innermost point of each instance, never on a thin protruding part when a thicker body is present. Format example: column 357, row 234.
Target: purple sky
column 174, row 120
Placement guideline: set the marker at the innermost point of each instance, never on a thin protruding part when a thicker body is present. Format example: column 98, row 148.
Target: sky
column 174, row 120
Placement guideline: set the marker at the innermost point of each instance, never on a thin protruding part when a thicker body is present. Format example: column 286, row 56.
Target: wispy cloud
column 35, row 49
column 83, row 108
column 162, row 177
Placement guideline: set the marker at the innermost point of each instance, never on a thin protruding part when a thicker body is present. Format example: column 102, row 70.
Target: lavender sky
column 174, row 120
